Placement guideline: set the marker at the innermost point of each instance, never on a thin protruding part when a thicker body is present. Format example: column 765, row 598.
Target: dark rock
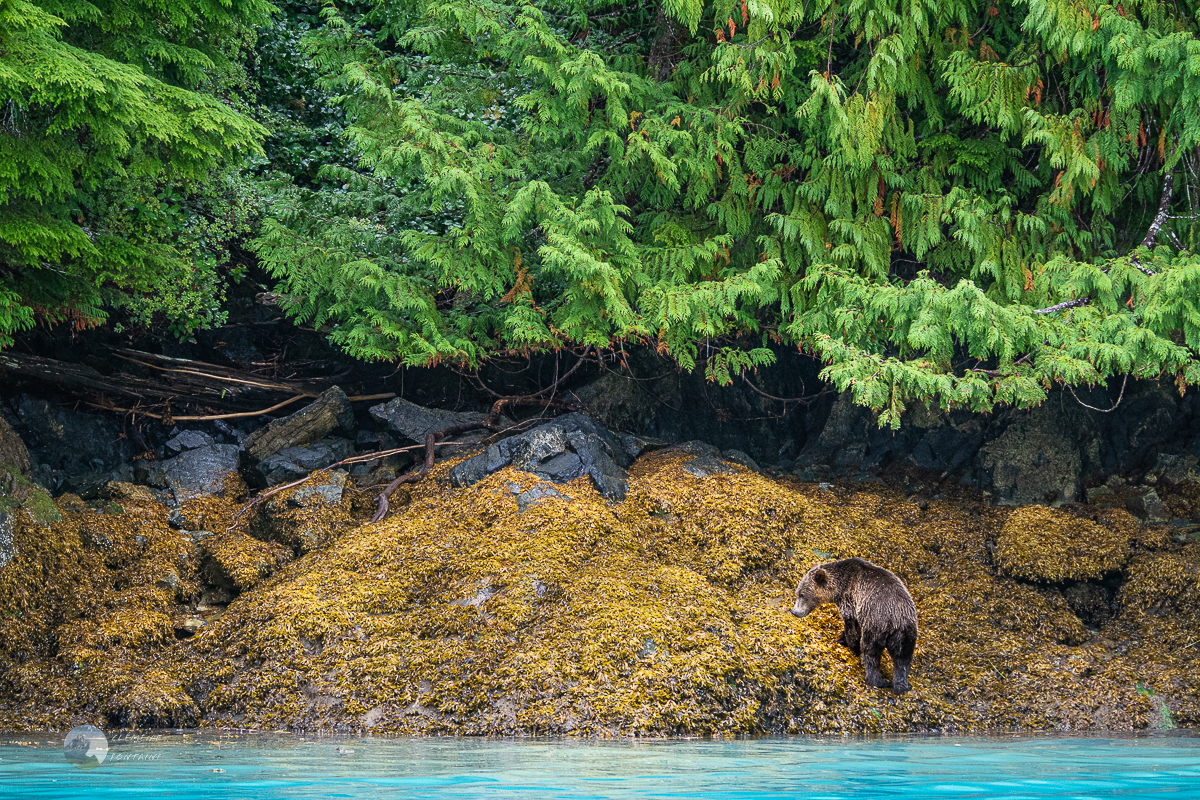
column 413, row 421
column 1148, row 505
column 329, row 411
column 88, row 485
column 188, row 627
column 95, row 538
column 1036, row 460
column 126, row 492
column 294, row 463
column 704, row 466
column 1176, row 468
column 738, row 457
column 852, row 445
column 8, row 547
column 13, row 453
column 376, row 477
column 196, row 473
column 169, row 580
column 561, row 450
column 189, row 440
column 68, row 442
column 535, row 494
column 708, row 460
column 649, row 395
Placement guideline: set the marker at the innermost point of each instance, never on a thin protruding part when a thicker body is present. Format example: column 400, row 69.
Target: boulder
column 413, row 422
column 329, row 411
column 189, row 440
column 236, row 562
column 303, row 519
column 739, row 457
column 196, row 473
column 1035, row 460
column 294, row 463
column 1043, row 544
column 559, row 451
column 1148, row 505
column 329, row 492
column 706, row 460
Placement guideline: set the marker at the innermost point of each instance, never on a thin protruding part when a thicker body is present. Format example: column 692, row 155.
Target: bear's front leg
column 850, row 636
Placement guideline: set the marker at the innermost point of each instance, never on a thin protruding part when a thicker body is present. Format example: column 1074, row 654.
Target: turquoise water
column 266, row 766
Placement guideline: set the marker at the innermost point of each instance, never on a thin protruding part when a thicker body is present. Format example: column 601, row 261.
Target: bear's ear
column 821, row 578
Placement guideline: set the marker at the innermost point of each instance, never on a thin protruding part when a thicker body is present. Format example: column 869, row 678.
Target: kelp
column 469, row 612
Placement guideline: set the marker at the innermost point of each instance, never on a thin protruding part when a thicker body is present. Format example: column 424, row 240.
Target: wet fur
column 876, row 608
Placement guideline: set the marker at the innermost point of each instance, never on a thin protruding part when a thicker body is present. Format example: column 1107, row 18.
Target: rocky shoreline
column 564, row 578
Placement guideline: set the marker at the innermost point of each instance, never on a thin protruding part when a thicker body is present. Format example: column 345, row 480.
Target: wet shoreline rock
column 413, row 422
column 295, row 463
column 196, row 473
column 569, row 447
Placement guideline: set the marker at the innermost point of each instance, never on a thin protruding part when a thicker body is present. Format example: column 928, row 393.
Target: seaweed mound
column 517, row 606
column 1043, row 544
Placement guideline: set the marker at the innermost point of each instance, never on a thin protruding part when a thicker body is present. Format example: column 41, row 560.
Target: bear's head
column 815, row 588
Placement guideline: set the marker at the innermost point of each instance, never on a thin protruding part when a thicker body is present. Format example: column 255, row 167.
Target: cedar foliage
column 965, row 203
column 119, row 150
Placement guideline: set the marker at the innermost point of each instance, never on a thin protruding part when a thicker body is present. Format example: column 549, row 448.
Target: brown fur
column 876, row 608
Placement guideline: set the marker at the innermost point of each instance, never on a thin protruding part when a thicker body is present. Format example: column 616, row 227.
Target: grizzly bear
column 878, row 611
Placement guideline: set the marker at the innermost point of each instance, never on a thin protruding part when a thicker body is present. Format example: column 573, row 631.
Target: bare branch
column 1113, row 407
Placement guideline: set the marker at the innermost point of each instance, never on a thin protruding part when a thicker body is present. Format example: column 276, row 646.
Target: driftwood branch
column 238, row 415
column 352, row 460
column 165, row 381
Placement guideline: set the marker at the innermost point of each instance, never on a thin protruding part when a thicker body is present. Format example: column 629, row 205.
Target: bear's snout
column 801, row 609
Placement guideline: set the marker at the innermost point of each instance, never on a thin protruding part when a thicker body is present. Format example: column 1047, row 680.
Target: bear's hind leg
column 902, row 655
column 871, row 651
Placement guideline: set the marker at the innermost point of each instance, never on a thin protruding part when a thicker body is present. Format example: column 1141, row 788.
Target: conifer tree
column 119, row 150
column 962, row 203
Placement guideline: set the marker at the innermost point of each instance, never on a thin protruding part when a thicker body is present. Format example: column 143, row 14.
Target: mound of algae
column 1041, row 544
column 469, row 611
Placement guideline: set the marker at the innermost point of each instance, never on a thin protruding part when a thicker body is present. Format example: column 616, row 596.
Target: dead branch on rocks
column 358, row 459
column 434, row 437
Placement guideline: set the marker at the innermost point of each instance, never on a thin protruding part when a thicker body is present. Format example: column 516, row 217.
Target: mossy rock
column 1043, row 544
column 40, row 508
